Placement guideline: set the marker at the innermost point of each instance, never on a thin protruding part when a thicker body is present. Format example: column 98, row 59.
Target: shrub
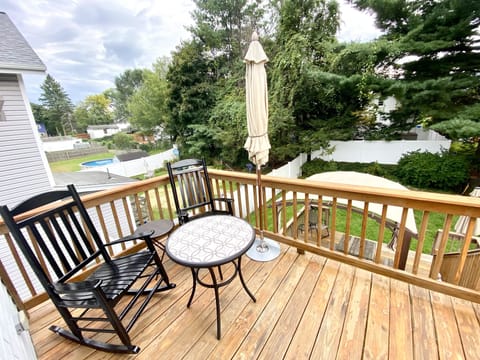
column 317, row 166
column 440, row 171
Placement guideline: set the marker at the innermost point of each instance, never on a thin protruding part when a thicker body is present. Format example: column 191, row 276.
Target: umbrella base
column 265, row 250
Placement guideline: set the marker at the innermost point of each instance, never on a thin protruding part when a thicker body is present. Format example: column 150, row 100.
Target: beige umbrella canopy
column 257, row 143
column 462, row 223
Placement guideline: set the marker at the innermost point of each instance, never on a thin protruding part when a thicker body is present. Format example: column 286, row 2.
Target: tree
column 123, row 141
column 58, row 107
column 306, row 104
column 126, row 85
column 191, row 88
column 148, row 105
column 433, row 69
column 94, row 110
column 225, row 28
column 39, row 113
column 203, row 71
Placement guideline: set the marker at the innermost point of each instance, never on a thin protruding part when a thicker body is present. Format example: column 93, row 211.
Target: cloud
column 356, row 25
column 85, row 44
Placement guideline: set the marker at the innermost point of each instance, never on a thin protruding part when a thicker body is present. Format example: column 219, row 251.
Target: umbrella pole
column 262, row 249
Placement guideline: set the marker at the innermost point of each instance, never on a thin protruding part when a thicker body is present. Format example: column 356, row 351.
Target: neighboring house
column 24, row 169
column 387, row 105
column 100, row 131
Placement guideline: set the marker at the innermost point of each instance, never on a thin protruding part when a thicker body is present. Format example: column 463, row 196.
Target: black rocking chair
column 192, row 191
column 60, row 243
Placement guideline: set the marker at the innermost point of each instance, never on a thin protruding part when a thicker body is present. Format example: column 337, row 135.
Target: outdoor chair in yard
column 313, row 222
column 93, row 292
column 192, row 191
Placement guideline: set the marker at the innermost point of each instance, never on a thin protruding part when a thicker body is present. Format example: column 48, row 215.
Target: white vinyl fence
column 383, row 152
column 143, row 166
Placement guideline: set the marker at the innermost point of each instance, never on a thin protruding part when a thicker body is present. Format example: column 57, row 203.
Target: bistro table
column 208, row 242
column 160, row 229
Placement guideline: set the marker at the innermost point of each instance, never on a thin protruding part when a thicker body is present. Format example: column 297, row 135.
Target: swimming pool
column 95, row 163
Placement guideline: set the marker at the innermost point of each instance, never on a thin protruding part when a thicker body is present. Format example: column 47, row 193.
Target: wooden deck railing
column 119, row 210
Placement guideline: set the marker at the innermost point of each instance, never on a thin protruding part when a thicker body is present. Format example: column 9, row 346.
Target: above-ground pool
column 95, row 163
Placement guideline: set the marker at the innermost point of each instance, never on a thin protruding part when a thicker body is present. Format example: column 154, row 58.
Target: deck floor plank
column 353, row 335
column 377, row 333
column 328, row 339
column 287, row 324
column 400, row 336
column 304, row 338
column 233, row 338
column 468, row 326
column 449, row 341
column 260, row 332
column 308, row 307
column 426, row 346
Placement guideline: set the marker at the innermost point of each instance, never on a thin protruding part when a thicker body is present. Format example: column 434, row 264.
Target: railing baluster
column 435, row 269
column 104, row 227
column 381, row 234
column 363, row 231
column 421, row 240
column 126, row 209
column 284, row 212
column 334, row 224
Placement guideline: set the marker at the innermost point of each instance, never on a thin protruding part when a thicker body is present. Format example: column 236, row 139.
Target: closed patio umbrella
column 257, row 143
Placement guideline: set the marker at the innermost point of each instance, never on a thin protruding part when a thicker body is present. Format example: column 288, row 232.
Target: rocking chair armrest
column 143, row 235
column 74, row 287
column 228, row 201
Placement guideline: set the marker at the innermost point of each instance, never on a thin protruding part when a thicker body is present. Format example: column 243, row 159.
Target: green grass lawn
column 73, row 165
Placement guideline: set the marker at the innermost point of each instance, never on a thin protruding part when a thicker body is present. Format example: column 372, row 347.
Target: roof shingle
column 16, row 55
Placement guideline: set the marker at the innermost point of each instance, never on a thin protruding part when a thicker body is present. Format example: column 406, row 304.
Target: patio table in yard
column 209, row 242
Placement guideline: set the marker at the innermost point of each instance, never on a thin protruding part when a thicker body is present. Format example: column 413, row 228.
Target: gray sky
column 85, row 44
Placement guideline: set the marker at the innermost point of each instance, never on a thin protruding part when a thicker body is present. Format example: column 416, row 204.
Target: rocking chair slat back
column 192, row 191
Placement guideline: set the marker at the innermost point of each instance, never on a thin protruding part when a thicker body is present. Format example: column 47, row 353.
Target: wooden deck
column 307, row 307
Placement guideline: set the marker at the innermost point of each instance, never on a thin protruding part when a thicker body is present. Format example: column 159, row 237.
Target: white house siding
column 14, row 345
column 23, row 172
column 23, row 168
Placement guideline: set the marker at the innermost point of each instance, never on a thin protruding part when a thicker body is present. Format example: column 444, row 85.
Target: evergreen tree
column 433, row 68
column 126, row 84
column 58, row 107
column 308, row 104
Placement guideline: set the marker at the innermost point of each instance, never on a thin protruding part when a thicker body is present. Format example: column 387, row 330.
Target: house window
column 2, row 114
